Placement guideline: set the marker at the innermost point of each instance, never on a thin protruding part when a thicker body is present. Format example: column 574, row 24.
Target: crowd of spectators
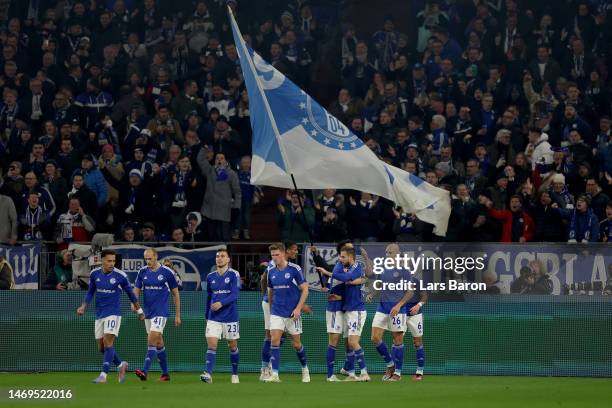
column 131, row 117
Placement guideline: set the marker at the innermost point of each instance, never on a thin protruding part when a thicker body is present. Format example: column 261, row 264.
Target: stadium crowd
column 131, row 117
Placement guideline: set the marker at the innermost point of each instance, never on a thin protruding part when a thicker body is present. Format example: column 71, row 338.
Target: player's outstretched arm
column 359, row 281
column 324, row 271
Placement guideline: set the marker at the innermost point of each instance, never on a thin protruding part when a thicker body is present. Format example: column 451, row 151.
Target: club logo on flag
column 326, row 129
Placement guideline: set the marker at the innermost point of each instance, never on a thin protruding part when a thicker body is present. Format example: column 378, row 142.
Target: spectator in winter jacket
column 86, row 197
column 34, row 220
column 57, row 186
column 61, row 273
column 295, row 225
column 549, row 224
column 558, row 191
column 139, row 198
column 112, row 169
column 68, row 159
column 583, row 225
column 46, row 201
column 222, row 194
column 164, row 129
column 94, row 179
column 332, row 228
column 93, row 102
column 363, row 217
column 539, row 152
column 524, row 283
column 517, row 225
column 542, row 285
column 248, row 196
column 599, row 199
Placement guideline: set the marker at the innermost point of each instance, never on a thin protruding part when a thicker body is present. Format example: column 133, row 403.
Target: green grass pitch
column 186, row 390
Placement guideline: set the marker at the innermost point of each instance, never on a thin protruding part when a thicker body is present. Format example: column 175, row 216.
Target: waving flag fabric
column 293, row 134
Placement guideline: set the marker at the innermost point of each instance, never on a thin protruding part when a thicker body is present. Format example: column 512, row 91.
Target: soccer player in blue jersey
column 335, row 320
column 287, row 293
column 156, row 282
column 106, row 284
column 414, row 310
column 348, row 270
column 223, row 288
column 391, row 315
column 291, row 254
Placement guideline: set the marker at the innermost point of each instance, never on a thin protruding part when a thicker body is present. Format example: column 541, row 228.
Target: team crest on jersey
column 113, row 281
column 160, row 277
column 227, row 280
column 213, row 282
column 287, row 275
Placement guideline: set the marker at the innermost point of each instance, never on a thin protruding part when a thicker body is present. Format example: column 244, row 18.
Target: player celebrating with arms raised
column 223, row 287
column 106, row 284
column 287, row 293
column 156, row 282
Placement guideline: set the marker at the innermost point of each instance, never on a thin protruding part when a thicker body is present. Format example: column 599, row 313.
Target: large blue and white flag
column 293, row 134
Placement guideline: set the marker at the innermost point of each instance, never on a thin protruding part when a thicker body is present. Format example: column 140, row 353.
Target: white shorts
column 108, row 325
column 354, row 322
column 156, row 324
column 287, row 324
column 385, row 321
column 415, row 324
column 335, row 322
column 229, row 331
column 266, row 311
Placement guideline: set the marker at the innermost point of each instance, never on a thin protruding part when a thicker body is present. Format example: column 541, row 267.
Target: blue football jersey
column 223, row 288
column 270, row 266
column 336, row 287
column 156, row 286
column 107, row 288
column 285, row 289
column 353, row 300
column 389, row 298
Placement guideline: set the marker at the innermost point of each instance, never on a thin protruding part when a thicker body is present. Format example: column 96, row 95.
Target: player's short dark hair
column 224, row 250
column 349, row 251
column 279, row 246
column 106, row 252
column 289, row 244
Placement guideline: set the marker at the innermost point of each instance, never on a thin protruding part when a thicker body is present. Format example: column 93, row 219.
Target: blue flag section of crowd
column 294, row 135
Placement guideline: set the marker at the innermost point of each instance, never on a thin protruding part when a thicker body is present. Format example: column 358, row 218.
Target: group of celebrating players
column 285, row 292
